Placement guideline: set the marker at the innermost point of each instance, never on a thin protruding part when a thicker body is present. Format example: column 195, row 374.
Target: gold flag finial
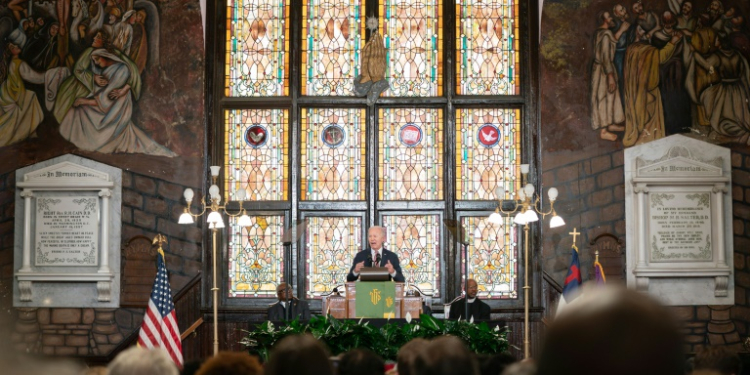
column 160, row 239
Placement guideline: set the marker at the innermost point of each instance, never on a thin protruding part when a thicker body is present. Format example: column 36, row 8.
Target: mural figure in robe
column 102, row 121
column 644, row 113
column 20, row 112
column 606, row 106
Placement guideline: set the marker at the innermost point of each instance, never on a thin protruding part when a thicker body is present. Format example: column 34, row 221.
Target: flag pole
column 526, row 288
column 215, row 290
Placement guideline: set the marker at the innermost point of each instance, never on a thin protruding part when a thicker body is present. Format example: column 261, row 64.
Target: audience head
column 496, row 364
column 361, row 361
column 520, row 368
column 141, row 361
column 95, row 370
column 231, row 363
column 299, row 355
column 408, row 354
column 446, row 355
column 719, row 359
column 614, row 331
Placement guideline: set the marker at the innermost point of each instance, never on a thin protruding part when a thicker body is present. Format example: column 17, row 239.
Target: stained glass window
column 493, row 256
column 332, row 38
column 333, row 154
column 255, row 257
column 487, row 47
column 257, row 153
column 488, row 143
column 416, row 241
column 257, row 48
column 413, row 36
column 411, row 154
column 330, row 246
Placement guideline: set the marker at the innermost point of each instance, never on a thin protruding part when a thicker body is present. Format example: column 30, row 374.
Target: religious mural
column 653, row 68
column 92, row 72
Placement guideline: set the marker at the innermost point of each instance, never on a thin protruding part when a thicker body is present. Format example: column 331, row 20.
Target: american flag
column 159, row 327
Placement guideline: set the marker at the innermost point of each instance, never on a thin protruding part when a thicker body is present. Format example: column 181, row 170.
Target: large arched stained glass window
column 493, row 256
column 487, row 44
column 330, row 243
column 416, row 241
column 255, row 254
column 257, row 48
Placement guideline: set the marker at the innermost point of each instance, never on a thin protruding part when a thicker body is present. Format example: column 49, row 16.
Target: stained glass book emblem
column 410, row 135
column 488, row 135
column 256, row 136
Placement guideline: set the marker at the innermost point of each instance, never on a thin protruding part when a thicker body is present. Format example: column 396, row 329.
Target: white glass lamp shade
column 215, row 219
column 500, row 192
column 524, row 168
column 240, row 194
column 552, row 193
column 556, row 221
column 188, row 194
column 529, row 190
column 213, row 191
column 185, row 218
column 495, row 219
column 521, row 194
column 244, row 221
column 215, row 170
column 531, row 216
column 520, row 219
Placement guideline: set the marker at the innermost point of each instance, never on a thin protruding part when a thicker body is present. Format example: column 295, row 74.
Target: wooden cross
column 160, row 238
column 575, row 234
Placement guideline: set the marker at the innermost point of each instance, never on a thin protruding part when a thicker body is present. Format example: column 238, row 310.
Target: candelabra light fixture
column 215, row 221
column 526, row 207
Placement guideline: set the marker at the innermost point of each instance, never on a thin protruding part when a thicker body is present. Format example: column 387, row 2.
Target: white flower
column 408, row 317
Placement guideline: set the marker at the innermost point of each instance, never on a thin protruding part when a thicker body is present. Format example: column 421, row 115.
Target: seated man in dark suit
column 376, row 256
column 278, row 311
column 477, row 309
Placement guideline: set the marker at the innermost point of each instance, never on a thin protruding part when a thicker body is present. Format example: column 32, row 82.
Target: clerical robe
column 606, row 107
column 644, row 113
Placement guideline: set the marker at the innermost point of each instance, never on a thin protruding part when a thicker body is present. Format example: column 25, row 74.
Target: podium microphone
column 377, row 260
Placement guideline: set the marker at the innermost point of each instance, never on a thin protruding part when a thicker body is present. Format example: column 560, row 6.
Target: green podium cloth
column 375, row 299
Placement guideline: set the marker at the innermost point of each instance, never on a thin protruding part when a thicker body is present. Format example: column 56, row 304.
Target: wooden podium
column 344, row 307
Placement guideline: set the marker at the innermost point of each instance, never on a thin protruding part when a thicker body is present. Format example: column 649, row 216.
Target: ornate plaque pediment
column 65, row 173
column 678, row 163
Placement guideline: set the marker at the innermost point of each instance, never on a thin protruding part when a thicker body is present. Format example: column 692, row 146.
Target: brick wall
column 592, row 199
column 149, row 206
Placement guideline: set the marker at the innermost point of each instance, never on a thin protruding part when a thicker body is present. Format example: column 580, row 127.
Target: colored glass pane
column 416, row 241
column 487, row 47
column 332, row 37
column 257, row 153
column 411, row 154
column 255, row 256
column 493, row 256
column 488, row 144
column 413, row 37
column 257, row 48
column 333, row 154
column 330, row 246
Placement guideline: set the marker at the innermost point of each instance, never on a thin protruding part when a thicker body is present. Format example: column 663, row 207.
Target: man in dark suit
column 477, row 309
column 376, row 256
column 279, row 310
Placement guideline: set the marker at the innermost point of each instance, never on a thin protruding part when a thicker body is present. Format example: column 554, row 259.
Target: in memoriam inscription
column 67, row 231
column 680, row 225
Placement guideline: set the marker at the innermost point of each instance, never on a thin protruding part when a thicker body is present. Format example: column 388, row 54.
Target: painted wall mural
column 652, row 68
column 101, row 76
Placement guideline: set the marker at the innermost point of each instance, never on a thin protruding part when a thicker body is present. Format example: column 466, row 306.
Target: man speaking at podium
column 376, row 256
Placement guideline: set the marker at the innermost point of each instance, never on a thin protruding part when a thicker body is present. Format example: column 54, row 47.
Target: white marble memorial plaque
column 680, row 227
column 67, row 231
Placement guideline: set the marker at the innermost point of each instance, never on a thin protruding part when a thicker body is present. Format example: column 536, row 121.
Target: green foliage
column 343, row 335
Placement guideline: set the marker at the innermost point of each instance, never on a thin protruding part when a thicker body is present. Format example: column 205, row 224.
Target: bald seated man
column 376, row 237
column 278, row 311
column 477, row 309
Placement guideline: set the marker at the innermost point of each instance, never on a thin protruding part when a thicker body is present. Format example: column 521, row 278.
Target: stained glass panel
column 255, row 257
column 257, row 153
column 488, row 144
column 330, row 246
column 333, row 154
column 416, row 241
column 411, row 154
column 488, row 48
column 413, row 36
column 332, row 37
column 493, row 256
column 257, row 48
